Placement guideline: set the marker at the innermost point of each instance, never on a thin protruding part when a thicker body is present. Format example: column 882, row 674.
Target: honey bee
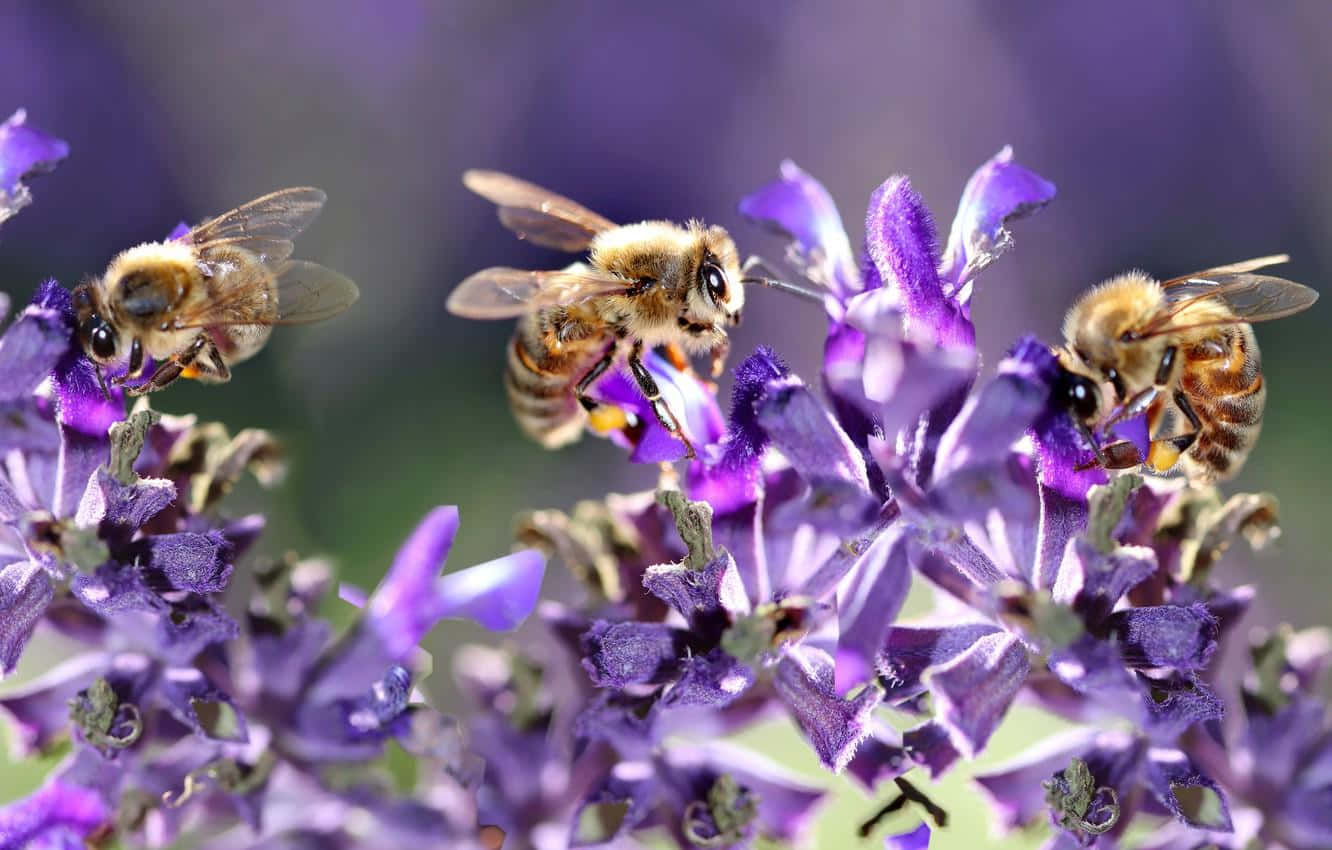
column 1184, row 353
column 654, row 283
column 201, row 302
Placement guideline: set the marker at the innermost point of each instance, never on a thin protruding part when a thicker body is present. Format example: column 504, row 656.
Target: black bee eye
column 714, row 282
column 1078, row 394
column 101, row 339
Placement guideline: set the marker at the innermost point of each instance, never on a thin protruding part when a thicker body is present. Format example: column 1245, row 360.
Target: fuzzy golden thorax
column 132, row 299
column 688, row 278
column 1099, row 329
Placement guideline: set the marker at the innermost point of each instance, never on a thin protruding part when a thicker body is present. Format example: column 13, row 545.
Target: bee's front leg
column 174, row 367
column 648, row 385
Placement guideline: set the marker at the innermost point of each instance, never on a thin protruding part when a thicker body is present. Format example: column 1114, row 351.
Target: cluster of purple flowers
column 766, row 587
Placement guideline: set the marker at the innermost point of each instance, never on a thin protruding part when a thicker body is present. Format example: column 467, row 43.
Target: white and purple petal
column 799, row 207
column 1000, row 191
column 24, row 152
column 868, row 602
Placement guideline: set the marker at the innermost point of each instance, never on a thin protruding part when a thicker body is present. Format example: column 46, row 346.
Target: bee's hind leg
column 648, row 385
column 603, row 418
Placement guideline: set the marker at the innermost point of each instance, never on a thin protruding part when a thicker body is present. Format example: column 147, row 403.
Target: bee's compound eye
column 714, row 280
column 101, row 339
column 1079, row 394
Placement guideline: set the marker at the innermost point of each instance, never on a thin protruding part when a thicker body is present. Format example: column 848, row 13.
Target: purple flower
column 24, row 152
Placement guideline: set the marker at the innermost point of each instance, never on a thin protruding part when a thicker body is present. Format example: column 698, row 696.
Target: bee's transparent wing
column 265, row 226
column 505, row 293
column 1230, row 268
column 1248, row 298
column 536, row 214
column 306, row 292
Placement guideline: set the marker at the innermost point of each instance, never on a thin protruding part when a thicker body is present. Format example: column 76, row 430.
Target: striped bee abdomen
column 541, row 378
column 1224, row 383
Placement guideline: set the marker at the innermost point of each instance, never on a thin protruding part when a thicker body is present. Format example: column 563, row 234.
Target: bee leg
column 652, row 393
column 135, row 364
column 718, row 354
column 173, row 368
column 585, row 383
column 1136, row 405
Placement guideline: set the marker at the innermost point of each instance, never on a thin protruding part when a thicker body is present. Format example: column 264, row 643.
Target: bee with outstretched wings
column 209, row 298
column 654, row 283
column 1184, row 354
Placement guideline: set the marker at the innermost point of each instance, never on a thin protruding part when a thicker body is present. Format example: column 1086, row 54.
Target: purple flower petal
column 999, row 192
column 1092, row 581
column 713, row 680
column 38, row 711
column 194, row 562
column 190, row 626
column 973, row 691
column 54, row 808
column 1177, row 702
column 908, row 651
column 834, row 726
column 891, row 375
column 1166, row 635
column 355, row 728
column 113, row 589
column 916, row 839
column 707, row 598
column 282, row 658
column 404, row 604
column 1189, row 794
column 734, row 480
column 1095, row 670
column 903, row 250
column 24, row 152
column 798, row 206
column 124, row 507
column 29, row 351
column 619, row 654
column 882, row 755
column 867, row 604
column 808, row 436
column 202, row 706
column 412, row 597
column 498, row 594
column 25, row 591
column 930, row 744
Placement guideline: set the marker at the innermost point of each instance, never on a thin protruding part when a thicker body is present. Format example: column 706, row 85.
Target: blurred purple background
column 1180, row 135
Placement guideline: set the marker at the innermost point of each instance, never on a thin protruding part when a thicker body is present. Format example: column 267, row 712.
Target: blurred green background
column 1180, row 135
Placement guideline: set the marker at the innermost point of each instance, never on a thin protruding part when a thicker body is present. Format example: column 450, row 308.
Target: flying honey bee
column 654, row 283
column 1183, row 352
column 199, row 303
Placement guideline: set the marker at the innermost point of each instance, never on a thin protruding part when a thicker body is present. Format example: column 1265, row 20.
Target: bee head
column 718, row 295
column 98, row 338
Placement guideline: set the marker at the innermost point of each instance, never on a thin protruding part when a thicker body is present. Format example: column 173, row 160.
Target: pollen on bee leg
column 1162, row 456
column 190, row 372
column 605, row 418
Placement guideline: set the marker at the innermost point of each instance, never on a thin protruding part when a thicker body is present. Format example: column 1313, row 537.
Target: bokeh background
column 1180, row 135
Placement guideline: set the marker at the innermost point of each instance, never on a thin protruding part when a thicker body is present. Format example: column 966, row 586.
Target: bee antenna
column 783, row 286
